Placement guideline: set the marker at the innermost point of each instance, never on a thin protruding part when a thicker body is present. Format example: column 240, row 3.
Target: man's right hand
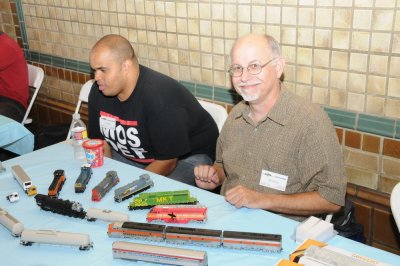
column 207, row 177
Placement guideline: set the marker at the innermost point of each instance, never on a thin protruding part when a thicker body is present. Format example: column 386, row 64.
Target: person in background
column 147, row 119
column 14, row 79
column 276, row 151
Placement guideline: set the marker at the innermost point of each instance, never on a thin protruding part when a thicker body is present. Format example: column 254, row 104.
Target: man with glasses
column 276, row 151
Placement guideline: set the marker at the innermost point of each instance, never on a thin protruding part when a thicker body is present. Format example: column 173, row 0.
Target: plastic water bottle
column 78, row 136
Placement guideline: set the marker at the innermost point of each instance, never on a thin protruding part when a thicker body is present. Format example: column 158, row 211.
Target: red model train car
column 181, row 214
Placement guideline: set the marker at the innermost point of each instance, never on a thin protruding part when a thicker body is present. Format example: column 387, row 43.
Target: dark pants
column 12, row 109
column 184, row 170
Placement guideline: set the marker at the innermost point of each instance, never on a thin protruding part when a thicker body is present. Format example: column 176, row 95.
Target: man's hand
column 207, row 177
column 243, row 197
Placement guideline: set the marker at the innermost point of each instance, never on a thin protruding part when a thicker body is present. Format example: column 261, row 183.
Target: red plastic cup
column 94, row 152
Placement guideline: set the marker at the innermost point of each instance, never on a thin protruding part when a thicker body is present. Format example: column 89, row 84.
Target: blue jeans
column 184, row 170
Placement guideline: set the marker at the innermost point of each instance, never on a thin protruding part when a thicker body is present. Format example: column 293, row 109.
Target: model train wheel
column 26, row 243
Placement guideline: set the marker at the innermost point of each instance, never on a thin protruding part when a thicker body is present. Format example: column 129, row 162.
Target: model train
column 60, row 206
column 57, row 184
column 105, row 185
column 177, row 213
column 93, row 214
column 28, row 237
column 24, row 180
column 83, row 178
column 184, row 235
column 148, row 200
column 158, row 254
column 12, row 224
column 143, row 183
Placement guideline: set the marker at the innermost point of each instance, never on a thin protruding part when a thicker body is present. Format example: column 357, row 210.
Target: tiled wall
column 344, row 55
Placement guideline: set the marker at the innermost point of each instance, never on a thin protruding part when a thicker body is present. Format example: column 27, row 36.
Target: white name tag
column 107, row 122
column 273, row 180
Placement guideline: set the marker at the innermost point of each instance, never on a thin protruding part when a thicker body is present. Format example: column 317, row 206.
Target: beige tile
column 244, row 28
column 393, row 108
column 219, row 78
column 230, row 12
column 321, row 58
column 304, row 91
column 288, row 35
column 304, row 56
column 217, row 29
column 380, row 42
column 304, row 74
column 161, row 37
column 289, row 15
column 218, row 62
column 184, row 73
column 173, row 56
column 375, row 105
column 382, row 19
column 358, row 62
column 357, row 82
column 343, row 3
column 258, row 14
column 320, row 95
column 290, row 73
column 193, row 26
column 306, row 17
column 362, row 177
column 183, row 42
column 376, row 85
column 194, row 58
column 324, row 17
column 172, row 40
column 206, row 44
column 182, row 25
column 322, row 38
column 321, row 77
column 397, row 21
column 339, row 80
column 159, row 8
column 394, row 66
column 181, row 9
column 171, row 24
column 355, row 102
column 170, row 9
column 394, row 87
column 390, row 166
column 194, row 43
column 362, row 19
column 340, row 39
column 152, row 53
column 217, row 11
column 206, row 76
column 340, row 60
column 230, row 30
column 218, row 46
column 206, row 60
column 204, row 11
column 396, row 43
column 205, row 27
column 342, row 18
column 195, row 74
column 183, row 57
column 337, row 98
column 274, row 14
column 305, row 36
column 289, row 53
column 360, row 159
column 244, row 13
column 378, row 64
column 140, row 21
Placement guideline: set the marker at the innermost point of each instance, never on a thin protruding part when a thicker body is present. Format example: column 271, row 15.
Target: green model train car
column 148, row 200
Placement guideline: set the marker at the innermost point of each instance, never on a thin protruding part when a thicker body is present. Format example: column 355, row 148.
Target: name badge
column 107, row 122
column 273, row 180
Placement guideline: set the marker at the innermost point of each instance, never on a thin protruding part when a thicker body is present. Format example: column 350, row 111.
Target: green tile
column 204, row 91
column 58, row 61
column 34, row 56
column 71, row 64
column 341, row 118
column 376, row 125
column 397, row 129
column 84, row 67
column 189, row 85
column 45, row 59
column 225, row 95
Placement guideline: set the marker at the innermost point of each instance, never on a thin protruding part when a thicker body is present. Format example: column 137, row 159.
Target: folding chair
column 83, row 97
column 218, row 113
column 36, row 76
column 395, row 204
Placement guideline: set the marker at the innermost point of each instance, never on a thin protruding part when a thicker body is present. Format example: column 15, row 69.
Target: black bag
column 344, row 222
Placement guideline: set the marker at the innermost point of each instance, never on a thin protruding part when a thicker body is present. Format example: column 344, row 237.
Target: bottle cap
column 76, row 116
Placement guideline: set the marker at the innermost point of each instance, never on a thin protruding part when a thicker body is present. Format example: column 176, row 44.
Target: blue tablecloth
column 40, row 166
column 15, row 137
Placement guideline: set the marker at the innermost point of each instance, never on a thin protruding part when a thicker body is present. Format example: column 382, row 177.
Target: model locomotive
column 60, row 206
column 83, row 178
column 143, row 183
column 180, row 235
column 11, row 223
column 57, row 184
column 105, row 185
column 178, row 213
column 148, row 200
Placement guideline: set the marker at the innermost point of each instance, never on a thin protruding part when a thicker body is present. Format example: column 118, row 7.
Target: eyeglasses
column 253, row 69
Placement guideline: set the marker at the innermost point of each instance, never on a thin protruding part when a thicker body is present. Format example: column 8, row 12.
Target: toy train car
column 158, row 254
column 83, row 178
column 12, row 224
column 143, row 183
column 93, row 214
column 187, row 235
column 213, row 238
column 178, row 213
column 57, row 184
column 60, row 206
column 105, row 185
column 136, row 230
column 148, row 200
column 28, row 237
column 24, row 180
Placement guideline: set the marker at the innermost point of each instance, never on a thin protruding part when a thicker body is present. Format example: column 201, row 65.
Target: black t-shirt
column 160, row 120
